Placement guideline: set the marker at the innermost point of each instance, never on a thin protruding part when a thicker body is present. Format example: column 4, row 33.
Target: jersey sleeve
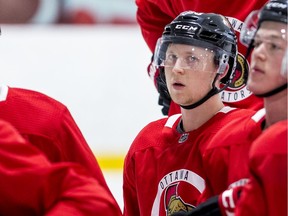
column 131, row 206
column 31, row 185
column 74, row 147
column 152, row 21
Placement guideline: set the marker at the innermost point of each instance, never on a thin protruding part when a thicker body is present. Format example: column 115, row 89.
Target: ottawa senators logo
column 237, row 89
column 173, row 202
column 177, row 192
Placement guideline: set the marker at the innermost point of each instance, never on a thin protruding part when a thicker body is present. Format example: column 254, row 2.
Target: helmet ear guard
column 223, row 64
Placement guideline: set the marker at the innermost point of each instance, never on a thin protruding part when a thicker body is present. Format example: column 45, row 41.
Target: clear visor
column 249, row 28
column 284, row 65
column 170, row 54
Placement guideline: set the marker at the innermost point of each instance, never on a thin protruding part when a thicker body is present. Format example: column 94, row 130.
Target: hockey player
column 164, row 163
column 266, row 165
column 31, row 185
column 152, row 16
column 48, row 125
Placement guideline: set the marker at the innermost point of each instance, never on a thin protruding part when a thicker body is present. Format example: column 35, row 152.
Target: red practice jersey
column 48, row 125
column 266, row 192
column 31, row 185
column 153, row 15
column 163, row 170
column 225, row 159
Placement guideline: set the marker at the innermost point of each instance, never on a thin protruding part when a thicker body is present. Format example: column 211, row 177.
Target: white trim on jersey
column 226, row 109
column 259, row 115
column 171, row 120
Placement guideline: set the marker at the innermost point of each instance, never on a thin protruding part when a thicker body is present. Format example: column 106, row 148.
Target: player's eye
column 257, row 43
column 273, row 46
column 170, row 59
column 191, row 59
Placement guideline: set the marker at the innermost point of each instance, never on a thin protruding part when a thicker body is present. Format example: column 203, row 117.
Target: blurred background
column 89, row 55
column 68, row 11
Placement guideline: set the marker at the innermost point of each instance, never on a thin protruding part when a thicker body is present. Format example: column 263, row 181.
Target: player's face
column 266, row 60
column 189, row 72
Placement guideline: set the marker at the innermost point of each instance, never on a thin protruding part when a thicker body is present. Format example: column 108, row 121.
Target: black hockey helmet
column 273, row 10
column 207, row 30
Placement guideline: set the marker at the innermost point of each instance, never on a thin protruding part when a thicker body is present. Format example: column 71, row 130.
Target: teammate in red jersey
column 266, row 164
column 31, row 185
column 48, row 125
column 153, row 15
column 164, row 163
column 266, row 191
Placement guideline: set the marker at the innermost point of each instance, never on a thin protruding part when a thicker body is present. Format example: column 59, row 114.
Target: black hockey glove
column 224, row 204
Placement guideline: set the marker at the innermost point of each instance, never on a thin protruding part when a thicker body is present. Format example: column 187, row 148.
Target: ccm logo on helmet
column 186, row 27
column 276, row 5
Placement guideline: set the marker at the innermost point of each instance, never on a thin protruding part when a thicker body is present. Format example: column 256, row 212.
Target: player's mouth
column 256, row 70
column 178, row 85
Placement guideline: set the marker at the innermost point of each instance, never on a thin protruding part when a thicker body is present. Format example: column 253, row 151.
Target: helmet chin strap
column 211, row 93
column 273, row 92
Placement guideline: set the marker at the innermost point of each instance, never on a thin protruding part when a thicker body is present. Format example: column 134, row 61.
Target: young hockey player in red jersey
column 164, row 163
column 265, row 167
column 153, row 15
column 31, row 185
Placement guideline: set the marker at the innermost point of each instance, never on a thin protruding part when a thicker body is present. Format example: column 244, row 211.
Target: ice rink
column 114, row 180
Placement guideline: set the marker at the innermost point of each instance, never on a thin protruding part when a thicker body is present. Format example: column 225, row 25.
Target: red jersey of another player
column 266, row 191
column 152, row 16
column 31, row 185
column 225, row 159
column 48, row 125
column 163, row 170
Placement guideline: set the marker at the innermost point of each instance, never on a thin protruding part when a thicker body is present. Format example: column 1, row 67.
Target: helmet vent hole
column 211, row 36
column 213, row 24
column 192, row 18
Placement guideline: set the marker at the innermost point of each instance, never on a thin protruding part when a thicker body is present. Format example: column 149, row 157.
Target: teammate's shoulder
column 151, row 135
column 164, row 122
column 29, row 95
column 246, row 117
column 272, row 140
column 239, row 129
